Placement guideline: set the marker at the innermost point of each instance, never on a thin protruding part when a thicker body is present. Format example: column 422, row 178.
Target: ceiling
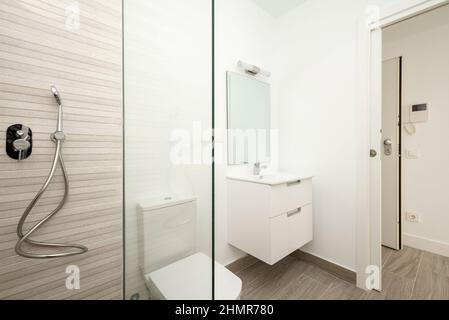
column 277, row 8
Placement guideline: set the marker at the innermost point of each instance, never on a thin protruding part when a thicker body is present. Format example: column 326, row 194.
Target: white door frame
column 396, row 225
column 369, row 241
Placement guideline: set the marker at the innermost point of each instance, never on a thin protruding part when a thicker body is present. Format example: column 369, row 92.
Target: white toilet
column 171, row 265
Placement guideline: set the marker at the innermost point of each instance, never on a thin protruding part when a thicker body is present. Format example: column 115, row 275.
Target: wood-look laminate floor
column 407, row 274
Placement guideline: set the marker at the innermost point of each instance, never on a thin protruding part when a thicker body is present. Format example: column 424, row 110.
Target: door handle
column 388, row 147
column 294, row 212
column 293, row 183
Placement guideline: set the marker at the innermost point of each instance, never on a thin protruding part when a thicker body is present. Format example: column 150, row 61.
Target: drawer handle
column 293, row 183
column 178, row 223
column 294, row 212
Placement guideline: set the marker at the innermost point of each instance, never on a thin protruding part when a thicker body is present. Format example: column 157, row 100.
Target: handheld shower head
column 57, row 97
column 56, row 94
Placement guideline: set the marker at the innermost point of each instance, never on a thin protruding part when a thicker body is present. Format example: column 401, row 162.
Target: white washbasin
column 271, row 178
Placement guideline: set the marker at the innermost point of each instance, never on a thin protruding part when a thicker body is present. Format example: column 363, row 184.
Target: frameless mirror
column 249, row 119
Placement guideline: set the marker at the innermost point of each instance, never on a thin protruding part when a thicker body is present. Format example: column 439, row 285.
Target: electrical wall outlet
column 413, row 217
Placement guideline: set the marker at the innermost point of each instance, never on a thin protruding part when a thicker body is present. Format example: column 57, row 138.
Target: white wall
column 320, row 65
column 422, row 42
column 243, row 32
column 317, row 50
column 168, row 68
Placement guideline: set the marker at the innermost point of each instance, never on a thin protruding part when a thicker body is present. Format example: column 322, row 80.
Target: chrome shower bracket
column 58, row 136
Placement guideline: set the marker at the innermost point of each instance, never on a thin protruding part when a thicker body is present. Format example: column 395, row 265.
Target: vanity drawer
column 291, row 196
column 290, row 231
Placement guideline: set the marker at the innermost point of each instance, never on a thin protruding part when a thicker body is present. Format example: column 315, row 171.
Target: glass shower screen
column 167, row 152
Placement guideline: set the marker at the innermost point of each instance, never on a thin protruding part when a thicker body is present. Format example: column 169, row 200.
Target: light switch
column 413, row 153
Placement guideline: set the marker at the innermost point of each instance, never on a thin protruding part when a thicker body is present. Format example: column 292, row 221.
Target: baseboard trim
column 234, row 260
column 425, row 244
column 241, row 264
column 335, row 269
column 332, row 268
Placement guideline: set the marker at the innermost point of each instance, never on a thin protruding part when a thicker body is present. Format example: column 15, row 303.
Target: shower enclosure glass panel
column 167, row 153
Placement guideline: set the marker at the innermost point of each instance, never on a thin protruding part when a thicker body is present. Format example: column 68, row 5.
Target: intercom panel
column 419, row 113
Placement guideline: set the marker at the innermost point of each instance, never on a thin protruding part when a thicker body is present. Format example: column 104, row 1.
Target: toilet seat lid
column 190, row 279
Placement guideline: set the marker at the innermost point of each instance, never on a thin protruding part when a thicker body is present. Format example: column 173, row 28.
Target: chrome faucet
column 258, row 167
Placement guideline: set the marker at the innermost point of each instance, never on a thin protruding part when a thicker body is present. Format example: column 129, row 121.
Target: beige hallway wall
column 422, row 43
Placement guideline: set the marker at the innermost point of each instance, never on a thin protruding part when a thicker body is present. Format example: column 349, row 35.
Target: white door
column 390, row 153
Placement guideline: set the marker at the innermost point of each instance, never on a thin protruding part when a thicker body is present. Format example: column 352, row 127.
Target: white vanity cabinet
column 269, row 218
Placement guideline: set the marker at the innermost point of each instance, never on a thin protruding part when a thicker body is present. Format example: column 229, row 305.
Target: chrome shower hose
column 24, row 237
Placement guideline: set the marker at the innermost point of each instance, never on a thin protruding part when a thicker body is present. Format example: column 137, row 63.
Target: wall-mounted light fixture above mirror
column 249, row 119
column 252, row 69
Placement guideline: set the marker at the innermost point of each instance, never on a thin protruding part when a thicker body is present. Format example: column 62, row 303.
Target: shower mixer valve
column 19, row 142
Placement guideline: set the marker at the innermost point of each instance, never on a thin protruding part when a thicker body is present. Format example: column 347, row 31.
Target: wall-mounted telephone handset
column 19, row 142
column 418, row 113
